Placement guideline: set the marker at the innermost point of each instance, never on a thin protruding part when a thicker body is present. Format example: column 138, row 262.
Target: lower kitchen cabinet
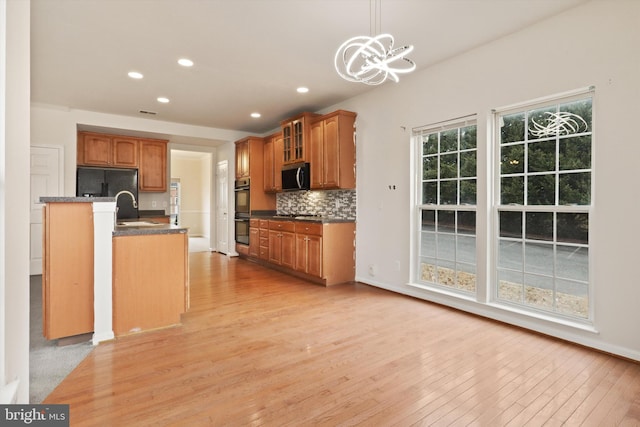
column 150, row 281
column 282, row 243
column 67, row 271
column 320, row 252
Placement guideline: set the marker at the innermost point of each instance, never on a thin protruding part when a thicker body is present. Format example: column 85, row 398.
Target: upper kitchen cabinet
column 242, row 158
column 332, row 151
column 250, row 164
column 95, row 149
column 295, row 138
column 273, row 163
column 152, row 171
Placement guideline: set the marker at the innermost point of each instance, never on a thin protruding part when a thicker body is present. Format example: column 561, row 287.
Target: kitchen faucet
column 133, row 198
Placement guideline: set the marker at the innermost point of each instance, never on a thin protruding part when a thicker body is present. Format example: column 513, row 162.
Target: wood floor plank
column 261, row 348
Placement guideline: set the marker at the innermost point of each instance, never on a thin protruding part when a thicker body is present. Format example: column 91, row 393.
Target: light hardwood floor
column 261, row 348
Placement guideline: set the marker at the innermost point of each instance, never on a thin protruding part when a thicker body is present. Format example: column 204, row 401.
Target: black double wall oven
column 243, row 210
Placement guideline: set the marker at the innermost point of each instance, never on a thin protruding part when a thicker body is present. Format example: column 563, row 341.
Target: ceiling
column 249, row 55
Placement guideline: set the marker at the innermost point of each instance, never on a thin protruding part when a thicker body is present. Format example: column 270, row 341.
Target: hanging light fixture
column 372, row 60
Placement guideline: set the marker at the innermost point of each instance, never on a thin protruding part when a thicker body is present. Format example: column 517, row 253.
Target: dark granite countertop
column 157, row 228
column 318, row 219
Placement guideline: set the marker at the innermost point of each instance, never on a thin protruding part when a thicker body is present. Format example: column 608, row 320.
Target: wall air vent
column 152, row 113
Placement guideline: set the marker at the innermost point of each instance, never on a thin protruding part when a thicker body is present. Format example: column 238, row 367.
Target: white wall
column 593, row 44
column 14, row 194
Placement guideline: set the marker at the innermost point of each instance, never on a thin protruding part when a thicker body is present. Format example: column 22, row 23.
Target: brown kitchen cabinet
column 95, row 149
column 152, row 172
column 67, row 273
column 150, row 281
column 282, row 243
column 273, row 159
column 263, row 251
column 250, row 157
column 296, row 133
column 242, row 158
column 254, row 237
column 309, row 248
column 332, row 151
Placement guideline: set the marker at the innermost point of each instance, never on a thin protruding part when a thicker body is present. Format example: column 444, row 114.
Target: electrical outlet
column 373, row 270
column 154, row 204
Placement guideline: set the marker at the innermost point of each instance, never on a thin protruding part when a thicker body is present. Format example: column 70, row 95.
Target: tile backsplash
column 335, row 203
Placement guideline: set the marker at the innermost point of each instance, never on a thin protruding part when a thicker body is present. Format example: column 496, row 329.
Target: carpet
column 49, row 363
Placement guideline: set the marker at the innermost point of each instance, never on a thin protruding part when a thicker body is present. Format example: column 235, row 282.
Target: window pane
column 448, row 192
column 466, row 277
column 512, row 190
column 511, row 224
column 510, row 286
column 573, row 228
column 538, row 291
column 575, row 153
column 581, row 108
column 449, row 140
column 466, row 249
column 430, row 144
column 575, row 188
column 513, row 128
column 446, row 246
column 512, row 159
column 538, row 258
column 510, row 255
column 541, row 190
column 542, row 156
column 428, row 220
column 446, row 221
column 468, row 164
column 428, row 270
column 541, row 119
column 539, row 225
column 466, row 222
column 468, row 192
column 429, row 193
column 468, row 137
column 428, row 245
column 572, row 298
column 449, row 166
column 430, row 167
column 573, row 262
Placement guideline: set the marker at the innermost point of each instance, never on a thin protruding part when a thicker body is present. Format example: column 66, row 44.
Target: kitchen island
column 106, row 279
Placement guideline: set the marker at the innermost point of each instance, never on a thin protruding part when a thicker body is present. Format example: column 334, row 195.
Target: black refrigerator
column 107, row 182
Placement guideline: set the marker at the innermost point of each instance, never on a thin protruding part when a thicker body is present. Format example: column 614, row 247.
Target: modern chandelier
column 372, row 60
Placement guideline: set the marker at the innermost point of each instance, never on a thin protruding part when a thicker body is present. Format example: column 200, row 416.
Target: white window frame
column 493, row 236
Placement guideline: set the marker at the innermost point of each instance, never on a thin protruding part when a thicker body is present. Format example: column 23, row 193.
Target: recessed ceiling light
column 303, row 89
column 255, row 115
column 135, row 75
column 185, row 62
column 163, row 99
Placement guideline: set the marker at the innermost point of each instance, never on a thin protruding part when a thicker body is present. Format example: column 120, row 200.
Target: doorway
column 222, row 207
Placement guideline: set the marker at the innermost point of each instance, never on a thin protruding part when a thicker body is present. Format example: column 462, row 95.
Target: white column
column 103, row 217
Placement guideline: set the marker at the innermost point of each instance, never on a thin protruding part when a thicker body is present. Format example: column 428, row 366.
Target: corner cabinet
column 152, row 172
column 332, row 151
column 295, row 138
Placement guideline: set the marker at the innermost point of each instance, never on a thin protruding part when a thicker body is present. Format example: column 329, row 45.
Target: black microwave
column 296, row 177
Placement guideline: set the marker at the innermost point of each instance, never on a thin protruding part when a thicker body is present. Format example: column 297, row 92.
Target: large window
column 534, row 222
column 448, row 206
column 543, row 203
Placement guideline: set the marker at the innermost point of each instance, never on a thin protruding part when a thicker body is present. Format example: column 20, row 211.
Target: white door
column 46, row 180
column 222, row 207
